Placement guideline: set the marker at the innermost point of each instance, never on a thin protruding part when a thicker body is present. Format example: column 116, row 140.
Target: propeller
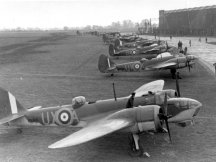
column 163, row 115
column 177, row 85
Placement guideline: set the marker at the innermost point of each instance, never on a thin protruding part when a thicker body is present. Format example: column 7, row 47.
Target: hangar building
column 199, row 21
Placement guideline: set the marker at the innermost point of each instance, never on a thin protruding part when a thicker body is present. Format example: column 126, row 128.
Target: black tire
column 19, row 131
column 133, row 151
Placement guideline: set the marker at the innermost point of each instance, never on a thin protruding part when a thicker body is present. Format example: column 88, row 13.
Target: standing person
column 167, row 45
column 130, row 102
column 206, row 39
column 190, row 43
column 199, row 39
column 185, row 51
column 179, row 43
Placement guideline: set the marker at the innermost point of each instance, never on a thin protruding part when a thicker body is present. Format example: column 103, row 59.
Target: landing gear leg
column 177, row 75
column 174, row 74
column 136, row 148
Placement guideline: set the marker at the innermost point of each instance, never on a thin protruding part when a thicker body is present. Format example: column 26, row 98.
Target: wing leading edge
column 162, row 65
column 152, row 86
column 93, row 131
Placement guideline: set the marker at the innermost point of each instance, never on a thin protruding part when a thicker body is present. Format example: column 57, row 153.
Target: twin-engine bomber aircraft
column 163, row 61
column 103, row 117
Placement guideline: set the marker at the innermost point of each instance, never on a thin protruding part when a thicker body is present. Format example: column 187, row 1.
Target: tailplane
column 10, row 108
column 105, row 65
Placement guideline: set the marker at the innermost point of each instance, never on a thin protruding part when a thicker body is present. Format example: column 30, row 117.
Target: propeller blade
column 165, row 104
column 177, row 84
column 167, row 126
column 165, row 116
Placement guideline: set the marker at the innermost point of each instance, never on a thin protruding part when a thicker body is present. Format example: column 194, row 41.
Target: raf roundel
column 137, row 66
column 64, row 116
column 134, row 52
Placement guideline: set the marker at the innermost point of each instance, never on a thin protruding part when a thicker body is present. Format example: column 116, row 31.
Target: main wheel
column 173, row 72
column 19, row 130
column 133, row 151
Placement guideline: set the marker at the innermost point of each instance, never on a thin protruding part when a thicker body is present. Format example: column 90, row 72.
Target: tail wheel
column 19, row 131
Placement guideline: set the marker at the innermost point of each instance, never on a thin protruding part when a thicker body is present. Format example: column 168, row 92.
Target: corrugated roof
column 190, row 9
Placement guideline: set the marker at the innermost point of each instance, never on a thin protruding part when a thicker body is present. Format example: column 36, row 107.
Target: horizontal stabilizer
column 10, row 118
column 35, row 108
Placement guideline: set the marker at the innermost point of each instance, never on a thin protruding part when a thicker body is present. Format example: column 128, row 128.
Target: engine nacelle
column 77, row 102
column 182, row 65
column 146, row 119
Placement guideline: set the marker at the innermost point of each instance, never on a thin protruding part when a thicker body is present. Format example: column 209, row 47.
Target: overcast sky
column 72, row 13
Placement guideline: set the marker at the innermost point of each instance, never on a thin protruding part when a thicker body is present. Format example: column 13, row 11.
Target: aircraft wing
column 162, row 65
column 10, row 118
column 94, row 130
column 152, row 86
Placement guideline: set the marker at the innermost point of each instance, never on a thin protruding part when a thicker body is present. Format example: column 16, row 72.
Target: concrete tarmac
column 204, row 50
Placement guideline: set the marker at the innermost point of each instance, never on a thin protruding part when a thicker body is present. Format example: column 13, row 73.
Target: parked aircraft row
column 152, row 110
column 153, row 55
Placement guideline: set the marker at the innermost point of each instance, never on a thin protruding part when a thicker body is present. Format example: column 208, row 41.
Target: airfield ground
column 51, row 68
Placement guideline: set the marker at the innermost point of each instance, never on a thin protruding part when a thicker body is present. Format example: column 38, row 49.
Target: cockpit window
column 182, row 104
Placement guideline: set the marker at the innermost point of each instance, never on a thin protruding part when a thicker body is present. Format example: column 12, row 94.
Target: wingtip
column 61, row 144
column 56, row 145
column 53, row 146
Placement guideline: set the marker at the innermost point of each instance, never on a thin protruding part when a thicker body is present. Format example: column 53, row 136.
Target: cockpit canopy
column 78, row 101
column 162, row 55
column 143, row 60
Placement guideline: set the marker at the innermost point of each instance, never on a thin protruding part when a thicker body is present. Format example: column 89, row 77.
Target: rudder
column 111, row 50
column 104, row 63
column 9, row 104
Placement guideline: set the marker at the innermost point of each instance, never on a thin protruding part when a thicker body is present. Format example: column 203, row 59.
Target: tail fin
column 105, row 65
column 10, row 108
column 117, row 43
column 111, row 50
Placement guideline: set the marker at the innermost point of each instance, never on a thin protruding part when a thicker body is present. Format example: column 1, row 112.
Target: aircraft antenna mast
column 114, row 92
